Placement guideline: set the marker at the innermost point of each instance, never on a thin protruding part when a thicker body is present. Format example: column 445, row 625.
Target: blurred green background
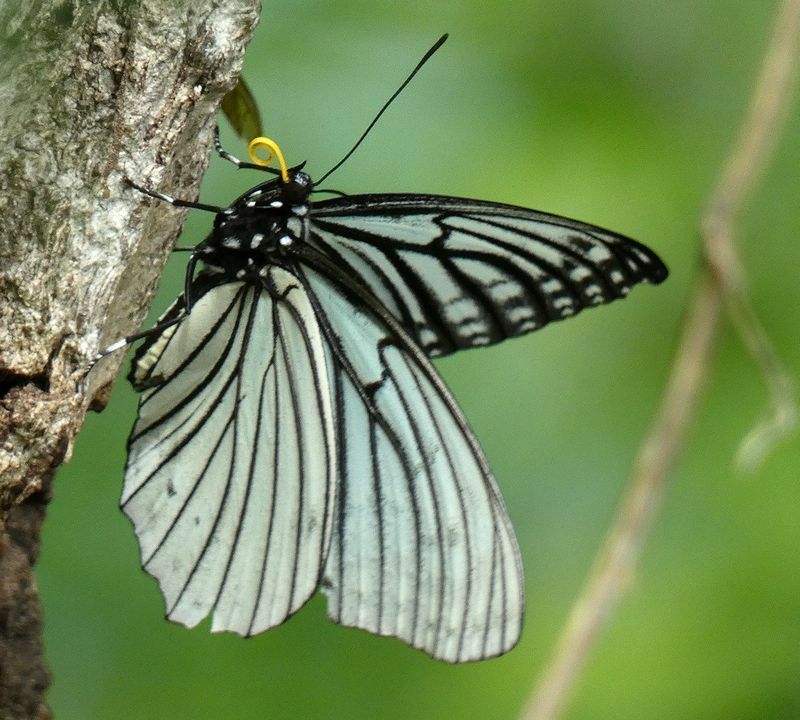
column 618, row 112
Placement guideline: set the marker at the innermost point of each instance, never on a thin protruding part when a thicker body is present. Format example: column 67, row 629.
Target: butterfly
column 293, row 434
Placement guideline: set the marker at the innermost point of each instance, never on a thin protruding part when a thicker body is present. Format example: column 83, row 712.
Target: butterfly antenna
column 425, row 59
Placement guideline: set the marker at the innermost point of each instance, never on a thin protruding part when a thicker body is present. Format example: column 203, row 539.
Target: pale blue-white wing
column 231, row 468
column 462, row 273
column 422, row 545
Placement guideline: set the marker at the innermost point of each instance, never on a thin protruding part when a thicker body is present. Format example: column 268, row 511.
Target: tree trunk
column 90, row 94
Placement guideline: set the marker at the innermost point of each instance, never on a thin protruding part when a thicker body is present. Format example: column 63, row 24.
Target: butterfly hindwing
column 229, row 481
column 464, row 273
column 422, row 545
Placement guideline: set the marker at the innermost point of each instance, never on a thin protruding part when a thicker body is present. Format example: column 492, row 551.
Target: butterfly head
column 292, row 185
column 296, row 188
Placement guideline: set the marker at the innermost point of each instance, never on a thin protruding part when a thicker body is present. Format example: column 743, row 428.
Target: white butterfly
column 293, row 434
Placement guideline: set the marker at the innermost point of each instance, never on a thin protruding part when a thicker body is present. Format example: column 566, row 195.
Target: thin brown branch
column 722, row 285
column 757, row 139
column 781, row 418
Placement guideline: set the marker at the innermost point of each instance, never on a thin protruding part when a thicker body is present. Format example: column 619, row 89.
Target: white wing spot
column 471, row 326
column 598, row 254
column 505, row 291
column 427, row 336
column 519, row 315
column 579, row 273
column 552, row 286
column 479, row 340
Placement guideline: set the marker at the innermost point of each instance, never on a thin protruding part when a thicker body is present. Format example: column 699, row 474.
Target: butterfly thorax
column 260, row 228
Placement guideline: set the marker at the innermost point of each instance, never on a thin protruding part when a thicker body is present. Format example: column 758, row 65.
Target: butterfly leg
column 128, row 339
column 190, row 269
column 80, row 385
column 188, row 300
column 161, row 325
column 172, row 200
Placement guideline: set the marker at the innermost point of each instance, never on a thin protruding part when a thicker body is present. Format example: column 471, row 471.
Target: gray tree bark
column 90, row 94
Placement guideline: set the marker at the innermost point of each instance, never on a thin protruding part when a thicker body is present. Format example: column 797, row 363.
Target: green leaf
column 240, row 107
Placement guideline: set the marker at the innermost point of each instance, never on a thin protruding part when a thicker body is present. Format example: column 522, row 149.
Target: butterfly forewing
column 230, row 482
column 422, row 545
column 461, row 273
